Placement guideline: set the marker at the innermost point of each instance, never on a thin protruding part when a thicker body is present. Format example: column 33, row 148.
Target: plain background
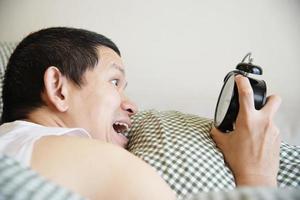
column 177, row 52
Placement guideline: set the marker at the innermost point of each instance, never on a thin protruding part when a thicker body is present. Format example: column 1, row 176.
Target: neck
column 46, row 117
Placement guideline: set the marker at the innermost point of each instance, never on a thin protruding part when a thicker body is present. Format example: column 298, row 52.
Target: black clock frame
column 259, row 92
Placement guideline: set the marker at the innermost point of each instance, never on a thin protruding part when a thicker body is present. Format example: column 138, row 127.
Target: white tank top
column 17, row 138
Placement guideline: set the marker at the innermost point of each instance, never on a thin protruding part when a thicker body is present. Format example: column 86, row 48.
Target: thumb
column 219, row 137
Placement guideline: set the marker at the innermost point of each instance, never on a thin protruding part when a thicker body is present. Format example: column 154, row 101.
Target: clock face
column 224, row 100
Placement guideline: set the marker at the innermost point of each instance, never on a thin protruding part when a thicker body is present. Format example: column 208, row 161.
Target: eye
column 115, row 82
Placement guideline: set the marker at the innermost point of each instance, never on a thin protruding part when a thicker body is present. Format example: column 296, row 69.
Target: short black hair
column 73, row 51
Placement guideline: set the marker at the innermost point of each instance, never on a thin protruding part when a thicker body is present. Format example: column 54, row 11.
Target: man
column 64, row 103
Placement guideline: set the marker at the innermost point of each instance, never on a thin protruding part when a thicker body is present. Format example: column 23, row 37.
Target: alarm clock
column 227, row 107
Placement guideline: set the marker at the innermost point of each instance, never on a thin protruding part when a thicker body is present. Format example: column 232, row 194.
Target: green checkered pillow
column 179, row 146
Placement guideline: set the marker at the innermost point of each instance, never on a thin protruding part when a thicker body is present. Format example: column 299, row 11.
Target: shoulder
column 68, row 152
column 94, row 168
column 60, row 156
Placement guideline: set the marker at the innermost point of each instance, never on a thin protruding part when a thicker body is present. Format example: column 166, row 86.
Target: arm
column 97, row 170
column 18, row 182
column 252, row 149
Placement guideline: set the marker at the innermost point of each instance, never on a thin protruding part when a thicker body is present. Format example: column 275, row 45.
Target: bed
column 178, row 145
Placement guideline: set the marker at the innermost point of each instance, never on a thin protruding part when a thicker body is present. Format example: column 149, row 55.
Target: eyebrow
column 118, row 67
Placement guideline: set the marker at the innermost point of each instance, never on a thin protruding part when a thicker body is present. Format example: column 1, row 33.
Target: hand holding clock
column 252, row 149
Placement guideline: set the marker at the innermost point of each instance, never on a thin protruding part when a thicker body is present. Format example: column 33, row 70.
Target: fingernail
column 239, row 76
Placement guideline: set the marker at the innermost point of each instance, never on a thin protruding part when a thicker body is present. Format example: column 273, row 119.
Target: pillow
column 250, row 193
column 180, row 148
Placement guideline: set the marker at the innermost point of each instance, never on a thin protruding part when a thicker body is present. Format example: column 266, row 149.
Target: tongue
column 120, row 139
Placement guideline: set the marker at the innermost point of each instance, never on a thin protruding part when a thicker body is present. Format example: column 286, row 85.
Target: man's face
column 100, row 105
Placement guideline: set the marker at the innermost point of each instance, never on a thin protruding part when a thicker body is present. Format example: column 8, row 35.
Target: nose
column 129, row 106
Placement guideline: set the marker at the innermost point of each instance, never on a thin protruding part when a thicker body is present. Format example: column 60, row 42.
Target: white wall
column 178, row 52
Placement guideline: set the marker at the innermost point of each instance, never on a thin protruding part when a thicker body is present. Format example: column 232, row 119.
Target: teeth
column 122, row 124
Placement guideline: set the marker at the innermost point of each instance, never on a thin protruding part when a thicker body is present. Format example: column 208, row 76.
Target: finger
column 246, row 99
column 272, row 105
column 219, row 137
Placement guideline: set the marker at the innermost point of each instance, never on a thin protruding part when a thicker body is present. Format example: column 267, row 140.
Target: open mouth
column 120, row 127
column 119, row 137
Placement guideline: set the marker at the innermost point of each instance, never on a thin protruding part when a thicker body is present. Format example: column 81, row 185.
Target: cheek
column 113, row 100
column 94, row 109
column 104, row 103
column 102, row 111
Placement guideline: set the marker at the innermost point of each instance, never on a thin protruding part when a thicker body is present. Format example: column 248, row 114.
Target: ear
column 56, row 89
